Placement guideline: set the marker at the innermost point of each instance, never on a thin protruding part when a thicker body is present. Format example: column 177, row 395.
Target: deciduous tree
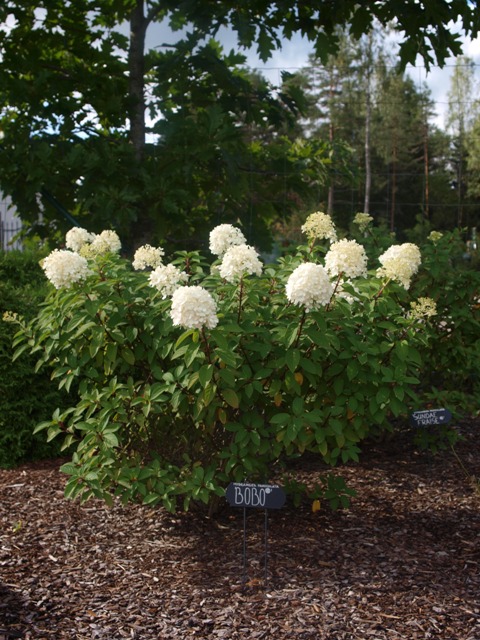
column 75, row 95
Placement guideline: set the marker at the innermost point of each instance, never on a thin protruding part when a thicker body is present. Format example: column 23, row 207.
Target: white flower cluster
column 64, row 268
column 309, row 286
column 400, row 263
column 319, row 226
column 167, row 279
column 193, row 308
column 89, row 244
column 147, row 256
column 423, row 308
column 76, row 237
column 223, row 237
column 363, row 220
column 239, row 261
column 107, row 242
column 346, row 258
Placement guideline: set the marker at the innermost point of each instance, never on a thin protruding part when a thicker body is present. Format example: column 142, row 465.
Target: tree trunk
column 136, row 67
column 368, row 165
column 394, row 186
column 368, row 118
column 460, row 180
column 427, row 174
column 142, row 226
column 331, row 138
column 331, row 190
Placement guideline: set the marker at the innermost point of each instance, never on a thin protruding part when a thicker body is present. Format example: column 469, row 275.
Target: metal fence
column 10, row 227
column 8, row 236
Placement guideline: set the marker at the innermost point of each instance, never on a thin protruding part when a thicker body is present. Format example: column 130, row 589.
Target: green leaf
column 209, row 394
column 228, row 377
column 191, row 354
column 338, row 385
column 231, row 398
column 401, row 350
column 184, row 337
column 205, row 374
column 297, row 406
column 42, row 425
column 382, row 396
column 281, row 418
column 227, row 356
column 399, row 392
column 111, row 352
column 128, row 355
column 292, row 358
column 110, row 439
column 19, row 351
column 157, row 390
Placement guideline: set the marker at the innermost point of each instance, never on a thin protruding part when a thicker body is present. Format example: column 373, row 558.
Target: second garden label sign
column 430, row 416
column 262, row 496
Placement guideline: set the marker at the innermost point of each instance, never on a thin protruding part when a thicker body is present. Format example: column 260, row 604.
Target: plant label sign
column 430, row 416
column 261, row 496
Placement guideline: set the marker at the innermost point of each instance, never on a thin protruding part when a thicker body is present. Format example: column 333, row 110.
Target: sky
column 294, row 55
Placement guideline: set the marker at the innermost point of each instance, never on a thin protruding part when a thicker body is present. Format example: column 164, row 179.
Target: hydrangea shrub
column 192, row 374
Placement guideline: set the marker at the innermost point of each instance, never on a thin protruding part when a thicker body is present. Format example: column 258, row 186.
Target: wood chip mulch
column 402, row 563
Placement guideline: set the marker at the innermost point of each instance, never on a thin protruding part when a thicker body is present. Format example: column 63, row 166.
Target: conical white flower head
column 106, row 242
column 400, row 262
column 193, row 308
column 76, row 237
column 64, row 268
column 167, row 279
column 348, row 258
column 238, row 261
column 223, row 237
column 309, row 286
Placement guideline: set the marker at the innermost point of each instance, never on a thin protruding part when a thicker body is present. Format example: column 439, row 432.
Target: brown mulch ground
column 402, row 563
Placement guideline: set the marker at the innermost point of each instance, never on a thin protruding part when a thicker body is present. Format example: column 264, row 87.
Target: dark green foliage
column 26, row 397
column 75, row 93
column 451, row 372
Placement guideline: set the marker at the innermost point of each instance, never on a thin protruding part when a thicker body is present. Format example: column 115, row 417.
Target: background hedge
column 26, row 397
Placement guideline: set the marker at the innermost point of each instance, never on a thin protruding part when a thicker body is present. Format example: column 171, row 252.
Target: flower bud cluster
column 319, row 226
column 423, row 308
column 363, row 221
column 147, row 256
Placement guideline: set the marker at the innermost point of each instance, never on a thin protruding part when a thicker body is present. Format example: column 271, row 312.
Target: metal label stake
column 260, row 496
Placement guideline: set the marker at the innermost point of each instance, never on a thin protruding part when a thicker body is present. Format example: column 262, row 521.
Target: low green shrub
column 450, row 374
column 26, row 397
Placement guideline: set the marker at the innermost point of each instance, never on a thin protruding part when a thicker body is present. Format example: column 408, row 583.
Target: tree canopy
column 157, row 141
